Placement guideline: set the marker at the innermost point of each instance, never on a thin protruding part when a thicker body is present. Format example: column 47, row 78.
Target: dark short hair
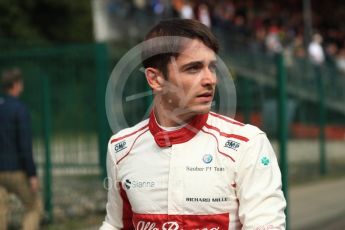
column 10, row 77
column 157, row 53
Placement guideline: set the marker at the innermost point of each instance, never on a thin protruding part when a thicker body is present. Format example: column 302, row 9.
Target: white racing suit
column 214, row 173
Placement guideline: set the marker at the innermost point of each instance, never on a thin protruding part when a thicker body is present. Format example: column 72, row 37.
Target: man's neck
column 167, row 118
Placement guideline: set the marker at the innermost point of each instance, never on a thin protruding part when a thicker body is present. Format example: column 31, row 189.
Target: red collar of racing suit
column 168, row 138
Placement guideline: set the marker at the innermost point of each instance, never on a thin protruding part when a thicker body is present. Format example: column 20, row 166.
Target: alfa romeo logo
column 129, row 99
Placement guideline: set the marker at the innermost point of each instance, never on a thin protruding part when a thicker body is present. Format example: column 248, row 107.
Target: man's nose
column 209, row 78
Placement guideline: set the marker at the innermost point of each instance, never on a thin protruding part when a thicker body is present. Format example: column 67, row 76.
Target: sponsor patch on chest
column 232, row 145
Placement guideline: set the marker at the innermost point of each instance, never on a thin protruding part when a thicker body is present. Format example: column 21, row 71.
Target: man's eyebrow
column 196, row 63
column 190, row 64
column 213, row 62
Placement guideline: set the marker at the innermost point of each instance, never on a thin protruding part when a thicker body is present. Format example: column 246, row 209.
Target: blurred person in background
column 315, row 50
column 187, row 167
column 187, row 11
column 317, row 58
column 17, row 168
column 341, row 60
column 272, row 41
column 203, row 15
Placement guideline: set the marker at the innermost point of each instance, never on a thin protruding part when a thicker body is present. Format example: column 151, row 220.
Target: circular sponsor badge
column 207, row 158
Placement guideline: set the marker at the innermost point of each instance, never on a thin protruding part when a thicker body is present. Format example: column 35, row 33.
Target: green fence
column 64, row 89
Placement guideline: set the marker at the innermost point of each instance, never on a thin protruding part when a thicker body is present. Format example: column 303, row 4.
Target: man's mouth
column 206, row 97
column 209, row 94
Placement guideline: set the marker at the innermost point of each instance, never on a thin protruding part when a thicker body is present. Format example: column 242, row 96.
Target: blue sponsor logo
column 120, row 146
column 232, row 144
column 207, row 158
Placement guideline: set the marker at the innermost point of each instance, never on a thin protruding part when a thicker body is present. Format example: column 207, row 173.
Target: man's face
column 19, row 87
column 191, row 81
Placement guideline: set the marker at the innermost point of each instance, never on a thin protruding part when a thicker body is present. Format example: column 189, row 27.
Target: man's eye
column 213, row 68
column 193, row 69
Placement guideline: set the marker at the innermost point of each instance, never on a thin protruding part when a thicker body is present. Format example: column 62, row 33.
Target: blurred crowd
column 268, row 26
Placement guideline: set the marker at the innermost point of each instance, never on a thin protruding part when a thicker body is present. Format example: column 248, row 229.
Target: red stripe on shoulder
column 218, row 145
column 131, row 146
column 128, row 135
column 226, row 119
column 242, row 138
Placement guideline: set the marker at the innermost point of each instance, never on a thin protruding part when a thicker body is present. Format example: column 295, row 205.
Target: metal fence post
column 102, row 69
column 283, row 129
column 47, row 135
column 322, row 120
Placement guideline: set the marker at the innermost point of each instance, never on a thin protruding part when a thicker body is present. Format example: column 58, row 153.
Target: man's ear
column 154, row 78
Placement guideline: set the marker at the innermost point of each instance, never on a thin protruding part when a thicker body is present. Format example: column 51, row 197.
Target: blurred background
column 287, row 59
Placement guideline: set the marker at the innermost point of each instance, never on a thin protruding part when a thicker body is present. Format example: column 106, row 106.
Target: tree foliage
column 46, row 20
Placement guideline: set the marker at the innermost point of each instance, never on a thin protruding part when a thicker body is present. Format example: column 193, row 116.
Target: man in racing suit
column 186, row 167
